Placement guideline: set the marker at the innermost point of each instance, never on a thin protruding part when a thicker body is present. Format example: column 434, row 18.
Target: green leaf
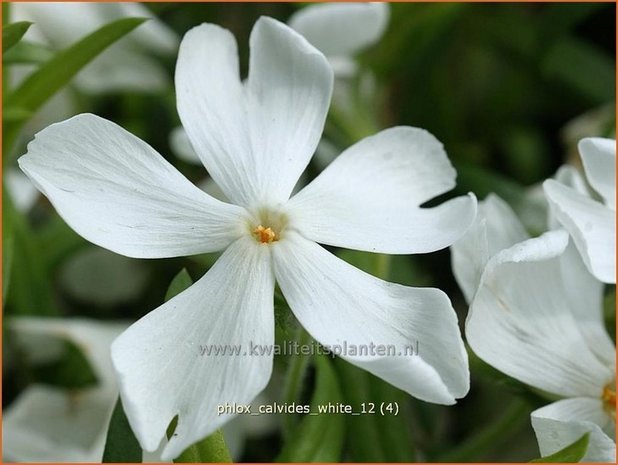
column 373, row 437
column 15, row 114
column 31, row 292
column 121, row 445
column 180, row 282
column 209, row 450
column 572, row 453
column 7, row 243
column 25, row 52
column 12, row 33
column 58, row 71
column 71, row 371
column 318, row 438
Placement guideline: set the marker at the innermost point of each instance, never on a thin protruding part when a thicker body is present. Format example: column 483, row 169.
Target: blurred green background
column 496, row 83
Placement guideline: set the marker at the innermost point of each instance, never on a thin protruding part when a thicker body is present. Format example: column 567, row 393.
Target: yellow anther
column 265, row 235
column 609, row 399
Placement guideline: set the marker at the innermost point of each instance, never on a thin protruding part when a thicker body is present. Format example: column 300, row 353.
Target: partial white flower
column 52, row 424
column 255, row 139
column 340, row 30
column 123, row 66
column 591, row 223
column 536, row 314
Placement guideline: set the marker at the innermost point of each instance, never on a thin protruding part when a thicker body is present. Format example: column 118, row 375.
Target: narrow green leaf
column 7, row 243
column 572, row 453
column 57, row 72
column 12, row 33
column 31, row 292
column 121, row 445
column 25, row 52
column 318, row 438
column 15, row 115
column 209, row 450
column 180, row 282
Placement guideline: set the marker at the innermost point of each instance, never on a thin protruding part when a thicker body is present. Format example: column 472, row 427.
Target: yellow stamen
column 265, row 235
column 609, row 399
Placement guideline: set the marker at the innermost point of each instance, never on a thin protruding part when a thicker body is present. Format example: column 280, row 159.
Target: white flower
column 591, row 223
column 340, row 30
column 536, row 315
column 256, row 138
column 125, row 65
column 53, row 424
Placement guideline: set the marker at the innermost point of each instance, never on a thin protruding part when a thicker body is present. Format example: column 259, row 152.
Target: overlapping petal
column 255, row 140
column 591, row 225
column 559, row 424
column 369, row 198
column 495, row 228
column 340, row 29
column 339, row 304
column 585, row 296
column 161, row 361
column 599, row 159
column 519, row 321
column 117, row 192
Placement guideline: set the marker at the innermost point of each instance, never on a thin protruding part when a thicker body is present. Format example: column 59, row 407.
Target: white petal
column 290, row 85
column 341, row 28
column 339, row 304
column 212, row 107
column 585, row 295
column 47, row 424
column 162, row 372
column 599, row 159
column 116, row 191
column 369, row 198
column 254, row 141
column 591, row 225
column 495, row 228
column 519, row 321
column 570, row 177
column 564, row 422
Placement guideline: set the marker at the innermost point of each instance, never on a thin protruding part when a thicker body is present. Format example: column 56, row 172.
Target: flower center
column 609, row 399
column 268, row 225
column 265, row 235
